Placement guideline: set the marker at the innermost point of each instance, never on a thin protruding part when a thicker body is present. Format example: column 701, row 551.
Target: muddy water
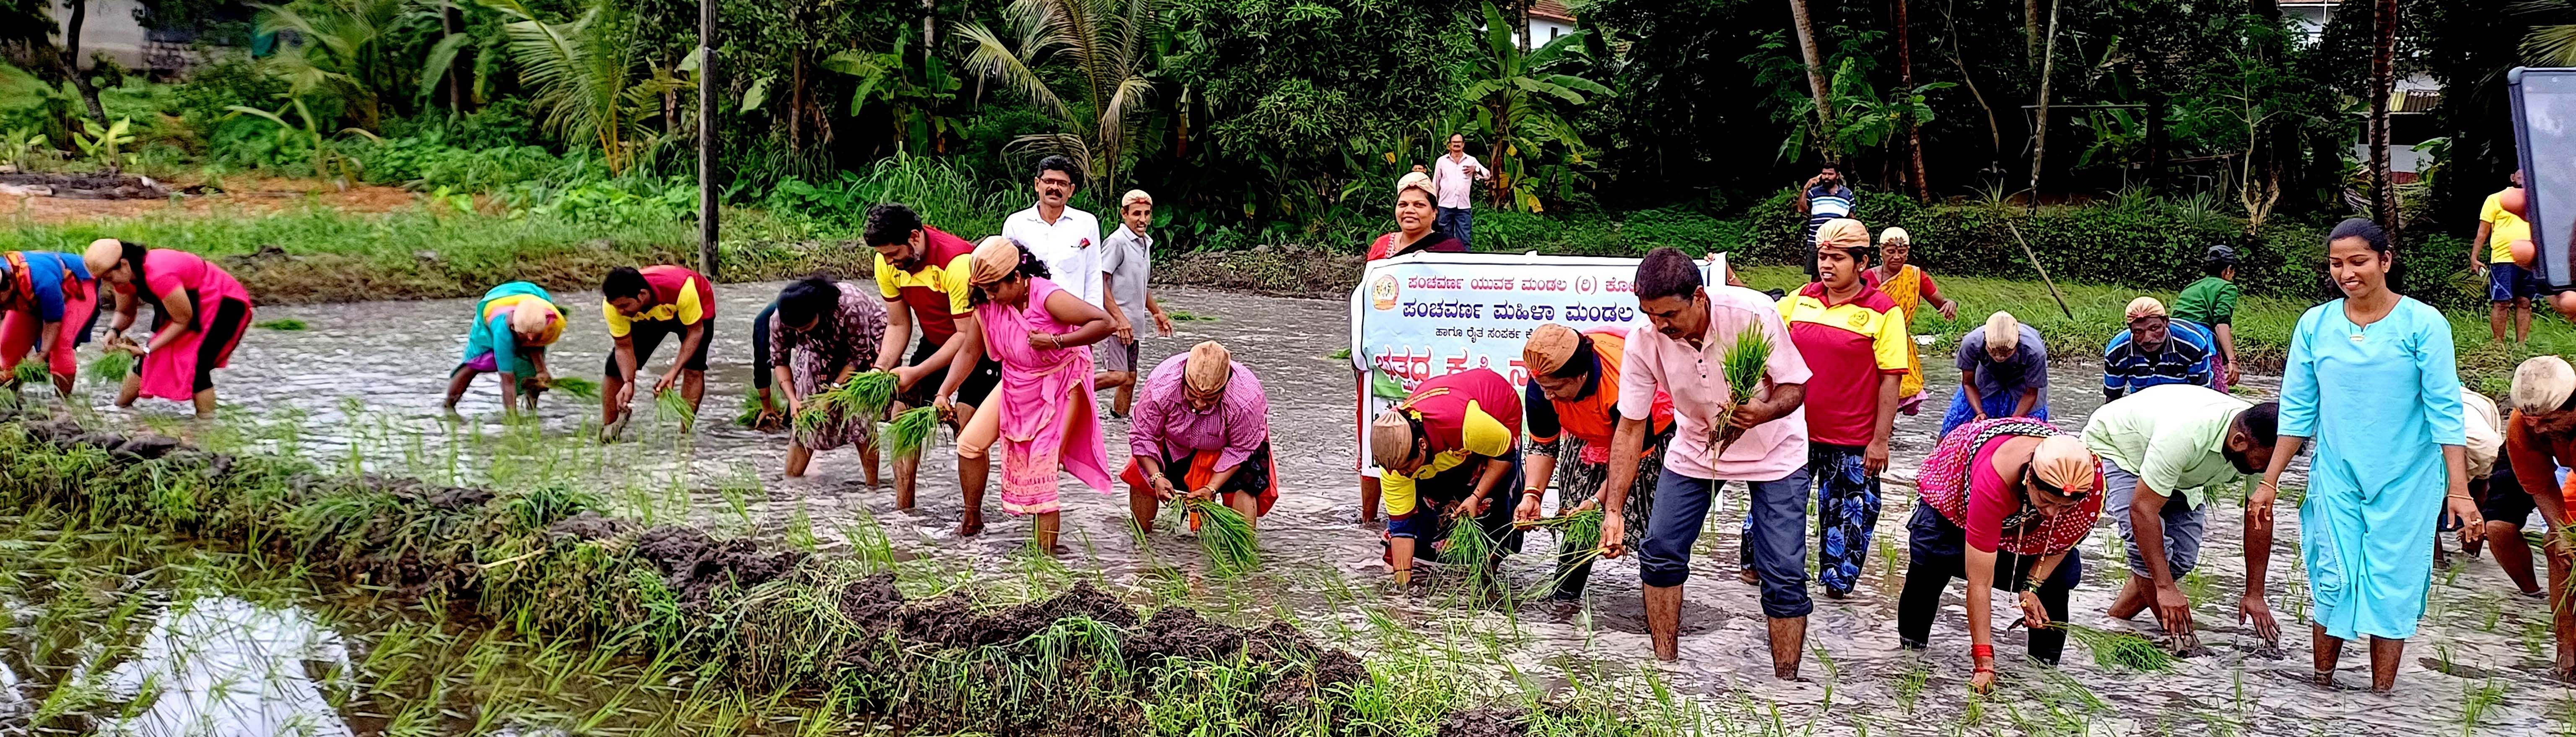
column 366, row 380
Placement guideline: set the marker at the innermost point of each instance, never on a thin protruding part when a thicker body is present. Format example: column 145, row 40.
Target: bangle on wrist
column 1534, row 491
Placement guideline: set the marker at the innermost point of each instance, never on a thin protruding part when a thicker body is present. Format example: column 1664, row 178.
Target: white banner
column 1423, row 315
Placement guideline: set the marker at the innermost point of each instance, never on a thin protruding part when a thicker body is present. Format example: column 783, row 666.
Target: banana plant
column 329, row 162
column 915, row 90
column 105, row 143
column 21, row 143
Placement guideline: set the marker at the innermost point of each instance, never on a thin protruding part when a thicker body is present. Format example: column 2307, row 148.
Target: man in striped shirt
column 1826, row 198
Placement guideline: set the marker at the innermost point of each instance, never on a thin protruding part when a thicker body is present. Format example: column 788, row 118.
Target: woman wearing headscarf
column 199, row 314
column 1042, row 413
column 2004, row 503
column 1911, row 288
column 48, row 299
column 822, row 332
column 513, row 325
column 1415, row 215
column 2371, row 380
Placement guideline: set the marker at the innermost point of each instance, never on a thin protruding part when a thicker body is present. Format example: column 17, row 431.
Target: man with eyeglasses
column 1202, row 431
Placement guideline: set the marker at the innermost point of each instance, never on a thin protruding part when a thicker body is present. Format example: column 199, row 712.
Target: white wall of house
column 1543, row 30
column 110, row 27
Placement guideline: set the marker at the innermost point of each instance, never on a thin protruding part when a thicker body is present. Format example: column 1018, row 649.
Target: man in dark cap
column 2211, row 302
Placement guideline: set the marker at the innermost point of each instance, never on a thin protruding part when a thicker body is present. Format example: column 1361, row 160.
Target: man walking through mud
column 1760, row 440
column 921, row 272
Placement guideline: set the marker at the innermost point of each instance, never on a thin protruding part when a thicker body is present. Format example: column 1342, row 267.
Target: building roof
column 1554, row 10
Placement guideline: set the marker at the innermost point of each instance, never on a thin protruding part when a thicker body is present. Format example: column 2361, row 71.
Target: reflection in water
column 367, row 379
column 224, row 666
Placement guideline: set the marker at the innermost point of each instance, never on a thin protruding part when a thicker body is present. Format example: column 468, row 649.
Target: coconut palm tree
column 1815, row 73
column 588, row 81
column 1102, row 44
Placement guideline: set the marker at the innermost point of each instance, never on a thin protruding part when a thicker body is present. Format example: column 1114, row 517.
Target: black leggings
column 222, row 332
column 1938, row 556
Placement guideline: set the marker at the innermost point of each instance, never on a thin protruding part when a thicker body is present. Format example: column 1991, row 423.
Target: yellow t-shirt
column 2508, row 228
column 1482, row 433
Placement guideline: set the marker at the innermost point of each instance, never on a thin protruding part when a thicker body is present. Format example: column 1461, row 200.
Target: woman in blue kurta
column 2371, row 380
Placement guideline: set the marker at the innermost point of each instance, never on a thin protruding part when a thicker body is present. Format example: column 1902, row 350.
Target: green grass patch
column 284, row 323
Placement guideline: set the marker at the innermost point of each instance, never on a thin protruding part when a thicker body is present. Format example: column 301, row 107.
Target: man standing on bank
column 1451, row 175
column 1694, row 327
column 1066, row 239
column 2163, row 450
column 1825, row 198
column 1856, row 345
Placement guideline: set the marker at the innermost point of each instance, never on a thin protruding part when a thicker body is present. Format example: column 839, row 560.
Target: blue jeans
column 2000, row 405
column 2183, row 522
column 1779, row 540
column 1457, row 221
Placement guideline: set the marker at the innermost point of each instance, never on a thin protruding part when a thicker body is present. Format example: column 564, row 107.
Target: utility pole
column 707, row 138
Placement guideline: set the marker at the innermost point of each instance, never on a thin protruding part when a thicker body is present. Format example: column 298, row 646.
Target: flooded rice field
column 361, row 388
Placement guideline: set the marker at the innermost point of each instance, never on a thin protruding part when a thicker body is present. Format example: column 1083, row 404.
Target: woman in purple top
column 1202, row 429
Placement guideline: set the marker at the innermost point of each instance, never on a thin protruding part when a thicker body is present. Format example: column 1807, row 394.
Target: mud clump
column 698, row 566
column 85, row 186
column 589, row 526
column 1485, row 722
column 873, row 602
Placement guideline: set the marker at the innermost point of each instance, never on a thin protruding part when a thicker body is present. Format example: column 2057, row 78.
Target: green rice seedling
column 2477, row 703
column 1743, row 365
column 1467, row 545
column 284, row 323
column 32, row 373
column 752, row 410
column 111, row 367
column 2120, row 649
column 1227, row 536
column 912, row 431
column 673, row 406
column 577, row 387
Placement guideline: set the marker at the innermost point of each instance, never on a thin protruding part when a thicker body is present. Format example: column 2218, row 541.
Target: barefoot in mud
column 972, row 526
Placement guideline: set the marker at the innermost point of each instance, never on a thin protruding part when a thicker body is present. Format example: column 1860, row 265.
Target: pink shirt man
column 1696, row 380
column 1450, row 178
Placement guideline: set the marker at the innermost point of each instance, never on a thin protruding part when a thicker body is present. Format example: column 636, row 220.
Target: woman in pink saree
column 1042, row 414
column 199, row 315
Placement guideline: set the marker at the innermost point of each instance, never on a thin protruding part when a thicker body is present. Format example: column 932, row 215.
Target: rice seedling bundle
column 2120, row 649
column 673, row 405
column 1226, row 535
column 1743, row 365
column 32, row 372
column 111, row 366
column 1468, row 545
column 912, row 431
column 752, row 410
column 577, row 387
column 865, row 395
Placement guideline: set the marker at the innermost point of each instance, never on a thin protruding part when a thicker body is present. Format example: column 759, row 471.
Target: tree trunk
column 1815, row 78
column 2029, row 32
column 707, row 90
column 2383, row 83
column 2039, row 124
column 72, row 61
column 451, row 21
column 1905, row 96
column 2156, row 141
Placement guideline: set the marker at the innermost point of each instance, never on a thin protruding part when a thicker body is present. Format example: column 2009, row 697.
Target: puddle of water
column 224, row 666
column 367, row 379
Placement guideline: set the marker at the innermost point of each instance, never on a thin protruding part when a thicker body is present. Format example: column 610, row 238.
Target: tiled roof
column 1551, row 10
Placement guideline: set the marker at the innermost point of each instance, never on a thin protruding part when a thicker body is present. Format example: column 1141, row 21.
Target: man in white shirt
column 1450, row 176
column 1068, row 240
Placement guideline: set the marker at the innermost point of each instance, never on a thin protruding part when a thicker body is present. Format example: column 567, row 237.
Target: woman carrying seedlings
column 1911, row 288
column 1201, row 430
column 1042, row 412
column 2538, row 439
column 1441, row 455
column 198, row 315
column 49, row 301
column 2371, row 380
column 823, row 332
column 1570, row 410
column 513, row 324
column 1415, row 219
column 2004, row 503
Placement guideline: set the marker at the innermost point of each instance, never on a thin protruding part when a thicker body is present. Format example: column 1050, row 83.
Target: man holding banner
column 1759, row 439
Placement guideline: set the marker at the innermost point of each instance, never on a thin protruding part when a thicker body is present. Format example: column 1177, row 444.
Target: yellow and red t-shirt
column 937, row 292
column 1848, row 346
column 1468, row 414
column 679, row 294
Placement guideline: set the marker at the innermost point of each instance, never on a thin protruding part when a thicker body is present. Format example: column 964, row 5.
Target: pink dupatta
column 1042, row 389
